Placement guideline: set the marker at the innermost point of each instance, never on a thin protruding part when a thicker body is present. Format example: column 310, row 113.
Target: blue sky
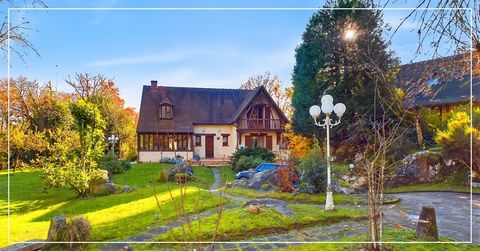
column 178, row 48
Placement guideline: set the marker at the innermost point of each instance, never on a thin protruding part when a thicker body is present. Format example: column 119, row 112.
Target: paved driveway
column 452, row 210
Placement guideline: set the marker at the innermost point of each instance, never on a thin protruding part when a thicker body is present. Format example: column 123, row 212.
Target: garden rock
column 279, row 205
column 103, row 188
column 265, row 181
column 181, row 168
column 102, row 177
column 127, row 189
column 31, row 245
column 239, row 183
column 337, row 188
column 56, row 223
column 359, row 184
column 419, row 167
column 427, row 225
column 254, row 208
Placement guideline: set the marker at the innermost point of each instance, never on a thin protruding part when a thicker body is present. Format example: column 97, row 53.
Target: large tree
column 343, row 54
column 120, row 120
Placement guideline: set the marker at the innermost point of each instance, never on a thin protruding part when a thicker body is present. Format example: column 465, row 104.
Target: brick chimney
column 153, row 83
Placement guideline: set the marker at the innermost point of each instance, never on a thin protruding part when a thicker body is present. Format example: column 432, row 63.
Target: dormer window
column 433, row 80
column 165, row 111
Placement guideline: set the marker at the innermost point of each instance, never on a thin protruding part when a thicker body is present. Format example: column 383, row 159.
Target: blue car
column 245, row 175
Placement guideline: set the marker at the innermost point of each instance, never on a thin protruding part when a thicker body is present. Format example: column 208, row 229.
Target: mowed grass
column 228, row 175
column 239, row 224
column 290, row 197
column 112, row 217
column 433, row 187
column 388, row 235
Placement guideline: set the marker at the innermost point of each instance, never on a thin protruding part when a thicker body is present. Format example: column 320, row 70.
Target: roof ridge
column 200, row 88
column 454, row 56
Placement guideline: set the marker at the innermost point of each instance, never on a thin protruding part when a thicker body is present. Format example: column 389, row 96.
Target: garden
column 378, row 166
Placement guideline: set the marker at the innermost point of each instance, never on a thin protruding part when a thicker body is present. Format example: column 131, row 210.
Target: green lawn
column 112, row 217
column 239, row 223
column 389, row 235
column 305, row 198
column 432, row 187
column 227, row 174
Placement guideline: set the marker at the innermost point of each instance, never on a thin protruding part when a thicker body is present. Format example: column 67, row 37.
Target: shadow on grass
column 87, row 205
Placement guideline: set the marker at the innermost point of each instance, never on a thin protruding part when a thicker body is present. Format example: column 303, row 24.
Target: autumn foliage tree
column 120, row 120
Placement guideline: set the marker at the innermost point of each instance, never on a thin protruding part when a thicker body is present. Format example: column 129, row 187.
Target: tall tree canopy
column 343, row 54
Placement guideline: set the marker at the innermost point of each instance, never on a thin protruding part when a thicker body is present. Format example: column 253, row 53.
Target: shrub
column 288, row 177
column 112, row 164
column 313, row 171
column 163, row 175
column 245, row 163
column 76, row 229
column 253, row 153
column 455, row 139
column 68, row 176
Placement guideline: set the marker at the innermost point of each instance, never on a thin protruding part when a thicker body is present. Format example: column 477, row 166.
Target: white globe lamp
column 339, row 109
column 315, row 111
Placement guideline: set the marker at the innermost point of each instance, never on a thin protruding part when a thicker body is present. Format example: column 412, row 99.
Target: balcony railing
column 260, row 124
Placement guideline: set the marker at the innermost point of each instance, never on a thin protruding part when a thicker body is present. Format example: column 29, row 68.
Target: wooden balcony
column 261, row 124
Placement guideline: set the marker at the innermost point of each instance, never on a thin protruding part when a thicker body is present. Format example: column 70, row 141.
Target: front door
column 269, row 142
column 209, row 146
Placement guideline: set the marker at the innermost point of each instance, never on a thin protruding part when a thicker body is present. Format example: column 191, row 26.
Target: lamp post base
column 329, row 206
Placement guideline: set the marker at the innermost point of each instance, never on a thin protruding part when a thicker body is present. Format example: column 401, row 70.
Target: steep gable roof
column 248, row 100
column 190, row 106
column 439, row 81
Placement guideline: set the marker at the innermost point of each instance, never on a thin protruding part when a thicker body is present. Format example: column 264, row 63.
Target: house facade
column 213, row 123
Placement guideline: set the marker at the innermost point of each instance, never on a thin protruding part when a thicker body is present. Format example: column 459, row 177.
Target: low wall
column 156, row 156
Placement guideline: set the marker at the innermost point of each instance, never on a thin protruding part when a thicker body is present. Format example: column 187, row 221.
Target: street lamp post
column 327, row 108
column 113, row 139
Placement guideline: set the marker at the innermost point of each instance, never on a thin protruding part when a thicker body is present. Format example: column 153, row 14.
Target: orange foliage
column 288, row 176
column 297, row 144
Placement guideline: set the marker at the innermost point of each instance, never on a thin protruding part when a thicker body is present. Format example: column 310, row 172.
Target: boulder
column 279, row 205
column 56, row 223
column 183, row 168
column 427, row 225
column 360, row 183
column 254, row 208
column 32, row 245
column 103, row 188
column 100, row 177
column 127, row 189
column 419, row 167
column 238, row 183
column 265, row 181
column 337, row 188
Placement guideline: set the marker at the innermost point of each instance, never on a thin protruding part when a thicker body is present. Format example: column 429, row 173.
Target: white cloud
column 169, row 56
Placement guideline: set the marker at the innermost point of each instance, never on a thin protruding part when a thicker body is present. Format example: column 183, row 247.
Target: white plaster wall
column 219, row 151
column 155, row 156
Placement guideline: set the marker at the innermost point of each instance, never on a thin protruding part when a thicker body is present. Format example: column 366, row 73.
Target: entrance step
column 213, row 162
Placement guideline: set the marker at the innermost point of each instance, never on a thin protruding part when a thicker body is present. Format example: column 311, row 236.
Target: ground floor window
column 225, row 139
column 164, row 142
column 198, row 140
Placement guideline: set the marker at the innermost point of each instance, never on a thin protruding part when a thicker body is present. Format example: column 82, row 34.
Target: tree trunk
column 418, row 128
